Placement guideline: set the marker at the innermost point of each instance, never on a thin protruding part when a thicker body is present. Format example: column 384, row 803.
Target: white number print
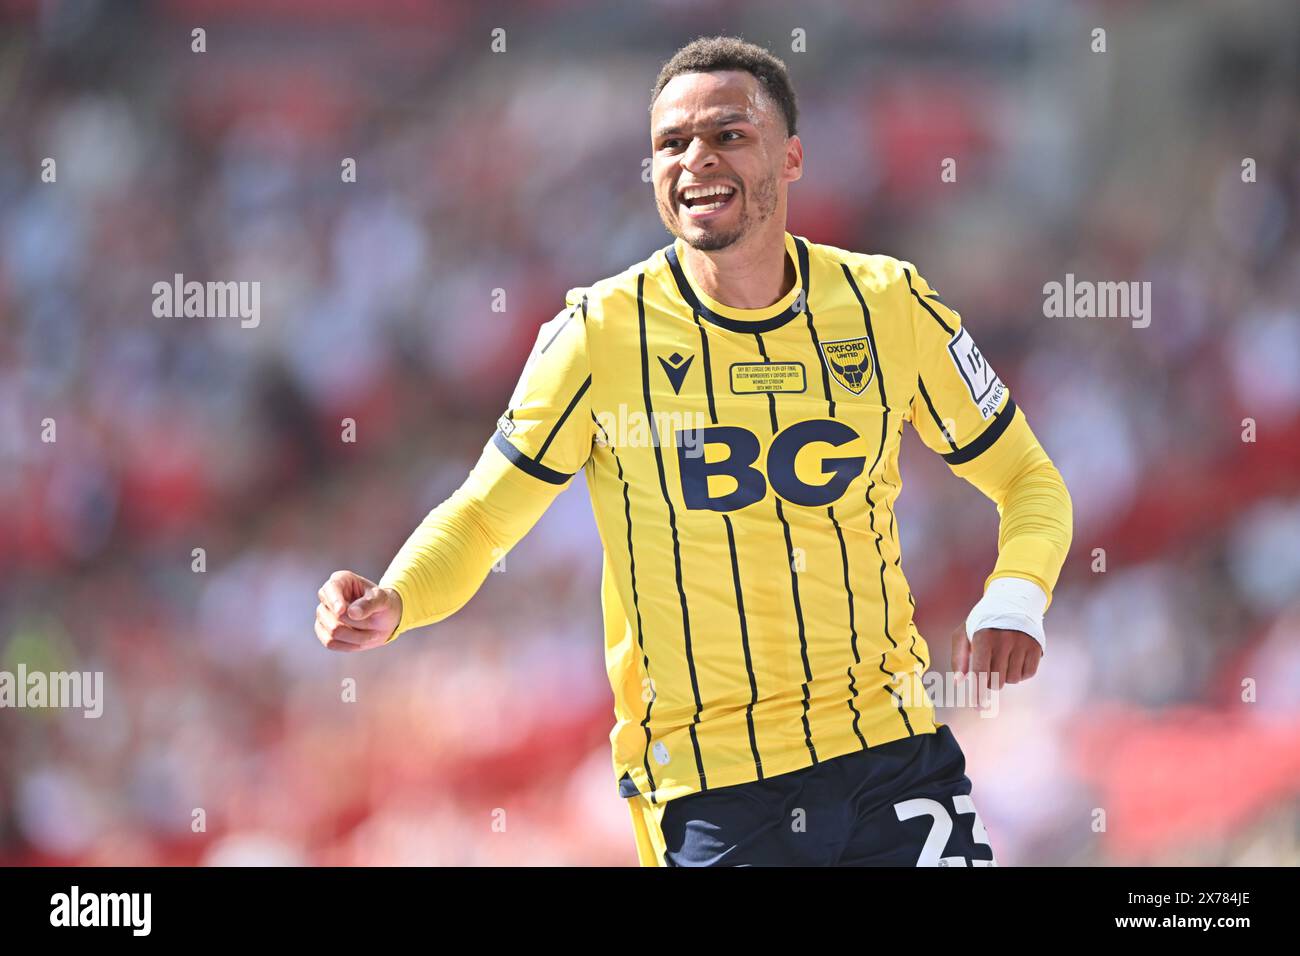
column 941, row 829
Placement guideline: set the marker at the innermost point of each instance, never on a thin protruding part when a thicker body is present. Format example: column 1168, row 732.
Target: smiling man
column 759, row 631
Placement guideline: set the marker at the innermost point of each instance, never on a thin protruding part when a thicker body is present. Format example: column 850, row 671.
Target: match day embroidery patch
column 850, row 363
column 754, row 378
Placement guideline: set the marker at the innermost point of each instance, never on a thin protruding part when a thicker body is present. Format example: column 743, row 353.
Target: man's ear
column 793, row 159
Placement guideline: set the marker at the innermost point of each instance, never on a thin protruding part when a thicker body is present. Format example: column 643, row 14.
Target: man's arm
column 1034, row 533
column 544, row 438
column 445, row 560
column 964, row 411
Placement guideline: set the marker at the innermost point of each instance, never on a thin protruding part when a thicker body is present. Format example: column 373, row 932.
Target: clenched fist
column 355, row 614
column 997, row 657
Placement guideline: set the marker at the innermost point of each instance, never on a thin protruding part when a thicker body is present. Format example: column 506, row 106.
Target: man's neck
column 750, row 275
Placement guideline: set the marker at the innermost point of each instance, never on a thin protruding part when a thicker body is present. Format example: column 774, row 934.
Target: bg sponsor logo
column 795, row 456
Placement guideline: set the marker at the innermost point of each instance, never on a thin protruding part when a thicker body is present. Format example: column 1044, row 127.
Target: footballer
column 759, row 631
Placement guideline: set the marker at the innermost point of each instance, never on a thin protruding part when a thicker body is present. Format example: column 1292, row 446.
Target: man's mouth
column 699, row 202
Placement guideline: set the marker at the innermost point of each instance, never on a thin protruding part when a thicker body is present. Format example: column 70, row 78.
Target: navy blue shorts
column 904, row 803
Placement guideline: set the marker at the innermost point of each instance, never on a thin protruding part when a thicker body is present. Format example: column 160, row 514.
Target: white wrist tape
column 1015, row 604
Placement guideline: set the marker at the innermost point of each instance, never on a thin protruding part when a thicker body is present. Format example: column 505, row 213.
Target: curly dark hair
column 710, row 54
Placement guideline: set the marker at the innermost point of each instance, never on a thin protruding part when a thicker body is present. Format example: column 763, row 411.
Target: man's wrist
column 396, row 593
column 1014, row 604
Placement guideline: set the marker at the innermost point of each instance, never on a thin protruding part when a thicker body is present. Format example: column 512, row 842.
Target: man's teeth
column 709, row 207
column 702, row 192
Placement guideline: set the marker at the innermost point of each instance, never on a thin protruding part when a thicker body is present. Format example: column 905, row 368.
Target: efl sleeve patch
column 986, row 389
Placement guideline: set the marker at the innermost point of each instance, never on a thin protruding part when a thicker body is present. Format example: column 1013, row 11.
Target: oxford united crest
column 850, row 362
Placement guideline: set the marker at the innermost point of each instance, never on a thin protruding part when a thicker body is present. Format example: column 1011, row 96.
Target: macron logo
column 102, row 909
column 676, row 367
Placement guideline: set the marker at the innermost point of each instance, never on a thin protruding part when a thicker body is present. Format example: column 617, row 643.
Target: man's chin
column 708, row 239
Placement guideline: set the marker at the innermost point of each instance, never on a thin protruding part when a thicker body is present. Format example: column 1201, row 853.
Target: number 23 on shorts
column 941, row 828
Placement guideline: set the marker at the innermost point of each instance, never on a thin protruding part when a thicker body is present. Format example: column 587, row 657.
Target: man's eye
column 729, row 132
column 670, row 144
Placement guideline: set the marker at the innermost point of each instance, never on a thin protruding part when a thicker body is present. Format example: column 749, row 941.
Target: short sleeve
column 547, row 429
column 961, row 407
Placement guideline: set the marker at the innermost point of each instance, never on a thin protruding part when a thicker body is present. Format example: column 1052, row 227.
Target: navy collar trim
column 741, row 325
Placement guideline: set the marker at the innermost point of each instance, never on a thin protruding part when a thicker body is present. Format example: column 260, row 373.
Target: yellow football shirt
column 743, row 467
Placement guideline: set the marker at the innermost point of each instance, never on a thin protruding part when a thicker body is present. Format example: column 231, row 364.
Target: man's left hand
column 996, row 656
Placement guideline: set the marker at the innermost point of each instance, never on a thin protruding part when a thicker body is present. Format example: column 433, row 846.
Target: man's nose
column 699, row 155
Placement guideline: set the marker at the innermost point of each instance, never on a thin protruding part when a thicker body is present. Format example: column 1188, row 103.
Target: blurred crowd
column 1164, row 723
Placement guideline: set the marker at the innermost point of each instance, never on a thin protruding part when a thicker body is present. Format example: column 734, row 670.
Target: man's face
column 719, row 129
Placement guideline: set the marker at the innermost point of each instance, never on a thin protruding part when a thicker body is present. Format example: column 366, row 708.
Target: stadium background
column 521, row 171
